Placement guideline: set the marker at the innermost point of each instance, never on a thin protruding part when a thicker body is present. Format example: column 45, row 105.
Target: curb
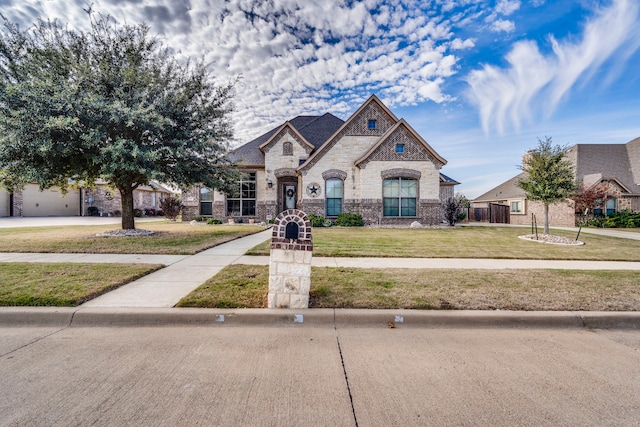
column 334, row 318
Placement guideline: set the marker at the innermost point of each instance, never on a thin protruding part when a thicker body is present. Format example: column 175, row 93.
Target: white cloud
column 507, row 7
column 503, row 25
column 507, row 96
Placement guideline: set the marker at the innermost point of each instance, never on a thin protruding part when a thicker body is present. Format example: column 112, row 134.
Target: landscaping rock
column 415, row 224
column 551, row 239
column 126, row 233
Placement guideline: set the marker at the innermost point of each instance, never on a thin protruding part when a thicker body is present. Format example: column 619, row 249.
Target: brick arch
column 334, row 173
column 278, row 239
column 284, row 172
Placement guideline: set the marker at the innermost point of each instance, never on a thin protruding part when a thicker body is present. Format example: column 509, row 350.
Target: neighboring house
column 373, row 164
column 613, row 168
column 30, row 201
column 106, row 201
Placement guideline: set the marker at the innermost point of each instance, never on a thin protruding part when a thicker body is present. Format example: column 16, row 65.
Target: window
column 287, row 149
column 399, row 197
column 242, row 202
column 611, row 206
column 206, row 201
column 372, row 124
column 399, row 148
column 516, row 207
column 334, row 192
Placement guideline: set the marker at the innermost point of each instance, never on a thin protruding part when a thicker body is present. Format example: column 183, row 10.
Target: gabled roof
column 289, row 127
column 317, row 155
column 504, row 191
column 611, row 160
column 402, row 124
column 633, row 152
column 314, row 129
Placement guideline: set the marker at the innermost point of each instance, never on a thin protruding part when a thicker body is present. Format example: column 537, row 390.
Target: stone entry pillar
column 290, row 263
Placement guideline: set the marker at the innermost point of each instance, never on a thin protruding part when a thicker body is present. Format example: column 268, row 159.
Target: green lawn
column 247, row 286
column 63, row 284
column 170, row 238
column 462, row 242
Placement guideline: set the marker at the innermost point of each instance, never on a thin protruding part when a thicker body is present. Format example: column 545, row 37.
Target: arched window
column 334, row 192
column 399, row 196
column 287, row 149
column 206, row 201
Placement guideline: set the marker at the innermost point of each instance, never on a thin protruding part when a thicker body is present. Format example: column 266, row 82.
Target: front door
column 290, row 196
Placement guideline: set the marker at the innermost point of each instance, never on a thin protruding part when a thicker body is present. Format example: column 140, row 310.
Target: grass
column 462, row 242
column 246, row 286
column 63, row 284
column 170, row 238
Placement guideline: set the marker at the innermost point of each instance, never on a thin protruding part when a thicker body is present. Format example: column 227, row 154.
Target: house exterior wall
column 561, row 214
column 5, row 203
column 362, row 153
column 109, row 202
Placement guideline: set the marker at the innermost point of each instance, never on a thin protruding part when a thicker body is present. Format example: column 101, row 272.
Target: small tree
column 549, row 176
column 111, row 103
column 452, row 210
column 171, row 207
column 588, row 199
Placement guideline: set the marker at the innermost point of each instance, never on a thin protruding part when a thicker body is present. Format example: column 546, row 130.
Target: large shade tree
column 110, row 103
column 549, row 177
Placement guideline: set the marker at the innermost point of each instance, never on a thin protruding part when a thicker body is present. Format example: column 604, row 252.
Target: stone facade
column 294, row 162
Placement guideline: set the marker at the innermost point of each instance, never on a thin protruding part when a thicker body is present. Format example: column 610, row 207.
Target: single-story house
column 612, row 168
column 78, row 201
column 373, row 164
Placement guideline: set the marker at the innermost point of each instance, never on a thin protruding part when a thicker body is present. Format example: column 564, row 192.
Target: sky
column 480, row 80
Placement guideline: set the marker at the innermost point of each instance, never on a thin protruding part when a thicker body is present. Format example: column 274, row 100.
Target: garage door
column 4, row 203
column 50, row 202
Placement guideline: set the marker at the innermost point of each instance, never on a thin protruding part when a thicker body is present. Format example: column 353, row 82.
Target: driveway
column 45, row 221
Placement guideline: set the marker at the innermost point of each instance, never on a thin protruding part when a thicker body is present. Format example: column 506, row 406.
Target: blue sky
column 480, row 80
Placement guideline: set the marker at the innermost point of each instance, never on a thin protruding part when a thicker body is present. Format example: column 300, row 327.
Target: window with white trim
column 206, row 201
column 242, row 202
column 399, row 197
column 334, row 192
column 517, row 207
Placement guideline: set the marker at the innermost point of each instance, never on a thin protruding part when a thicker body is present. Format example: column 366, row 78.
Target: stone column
column 290, row 262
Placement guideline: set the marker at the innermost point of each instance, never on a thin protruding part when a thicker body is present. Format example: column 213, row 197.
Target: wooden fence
column 495, row 214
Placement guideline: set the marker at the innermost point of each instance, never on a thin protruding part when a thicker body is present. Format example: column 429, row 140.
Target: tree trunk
column 546, row 218
column 126, row 194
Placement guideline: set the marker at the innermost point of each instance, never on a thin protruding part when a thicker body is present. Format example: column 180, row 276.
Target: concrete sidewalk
column 165, row 287
column 455, row 263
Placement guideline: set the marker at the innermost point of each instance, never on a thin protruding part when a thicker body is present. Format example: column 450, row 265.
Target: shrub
column 137, row 213
column 117, row 212
column 452, row 211
column 171, row 207
column 198, row 218
column 316, row 220
column 213, row 221
column 93, row 211
column 621, row 219
column 349, row 220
